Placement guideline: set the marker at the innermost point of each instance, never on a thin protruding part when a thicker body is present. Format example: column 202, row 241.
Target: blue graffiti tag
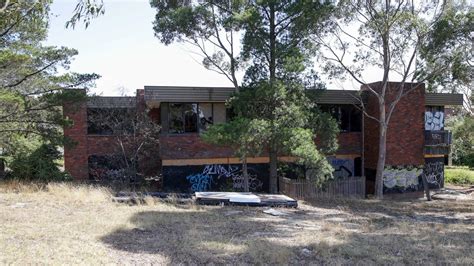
column 200, row 182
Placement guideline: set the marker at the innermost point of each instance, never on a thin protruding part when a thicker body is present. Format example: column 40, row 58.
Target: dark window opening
column 109, row 121
column 349, row 117
column 194, row 117
column 183, row 117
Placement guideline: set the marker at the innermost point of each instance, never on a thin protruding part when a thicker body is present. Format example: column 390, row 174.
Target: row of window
column 179, row 118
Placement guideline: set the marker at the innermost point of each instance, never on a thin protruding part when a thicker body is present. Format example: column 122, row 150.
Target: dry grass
column 72, row 224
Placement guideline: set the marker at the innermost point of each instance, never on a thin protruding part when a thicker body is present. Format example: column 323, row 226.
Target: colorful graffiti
column 342, row 167
column 402, row 178
column 434, row 120
column 213, row 172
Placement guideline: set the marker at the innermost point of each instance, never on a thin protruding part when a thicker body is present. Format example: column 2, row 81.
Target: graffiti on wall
column 200, row 182
column 342, row 167
column 214, row 172
column 434, row 172
column 434, row 120
column 402, row 178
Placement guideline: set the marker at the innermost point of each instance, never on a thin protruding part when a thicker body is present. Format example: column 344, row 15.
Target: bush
column 468, row 160
column 39, row 165
column 459, row 176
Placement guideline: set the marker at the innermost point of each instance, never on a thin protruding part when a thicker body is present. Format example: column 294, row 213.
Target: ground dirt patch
column 68, row 224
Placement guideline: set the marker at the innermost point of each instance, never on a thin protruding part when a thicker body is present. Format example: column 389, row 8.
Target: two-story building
column 416, row 143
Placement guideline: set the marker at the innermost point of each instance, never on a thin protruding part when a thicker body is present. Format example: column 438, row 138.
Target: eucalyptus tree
column 212, row 27
column 386, row 35
column 450, row 46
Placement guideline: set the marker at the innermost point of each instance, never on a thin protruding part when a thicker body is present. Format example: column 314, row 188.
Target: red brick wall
column 405, row 136
column 75, row 157
column 190, row 146
column 349, row 143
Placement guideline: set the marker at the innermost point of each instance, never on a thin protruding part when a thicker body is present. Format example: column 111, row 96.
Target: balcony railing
column 437, row 141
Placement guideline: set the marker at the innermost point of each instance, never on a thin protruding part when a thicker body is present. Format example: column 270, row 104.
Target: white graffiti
column 220, row 170
column 434, row 120
column 401, row 178
column 434, row 173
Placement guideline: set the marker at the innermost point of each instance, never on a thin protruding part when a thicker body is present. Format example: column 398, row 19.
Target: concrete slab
column 244, row 198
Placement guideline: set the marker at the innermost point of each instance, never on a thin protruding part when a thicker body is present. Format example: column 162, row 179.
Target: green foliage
column 289, row 123
column 246, row 136
column 85, row 11
column 463, row 141
column 31, row 88
column 449, row 46
column 39, row 165
column 459, row 176
column 203, row 24
column 273, row 113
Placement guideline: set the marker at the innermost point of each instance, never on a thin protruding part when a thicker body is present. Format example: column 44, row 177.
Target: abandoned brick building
column 417, row 141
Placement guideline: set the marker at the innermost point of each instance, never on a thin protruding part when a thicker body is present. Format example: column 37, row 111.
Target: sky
column 121, row 47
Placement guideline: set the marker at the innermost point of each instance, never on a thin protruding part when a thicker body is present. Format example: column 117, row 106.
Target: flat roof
column 443, row 99
column 187, row 94
column 221, row 94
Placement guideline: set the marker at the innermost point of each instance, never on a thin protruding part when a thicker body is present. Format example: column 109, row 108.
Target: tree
column 31, row 90
column 245, row 136
column 275, row 42
column 135, row 144
column 449, row 46
column 210, row 26
column 387, row 35
column 463, row 141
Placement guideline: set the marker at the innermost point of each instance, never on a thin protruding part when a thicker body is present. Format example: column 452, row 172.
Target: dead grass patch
column 79, row 224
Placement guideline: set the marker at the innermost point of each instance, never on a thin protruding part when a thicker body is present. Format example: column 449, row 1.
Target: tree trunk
column 245, row 174
column 273, row 172
column 381, row 159
column 272, row 70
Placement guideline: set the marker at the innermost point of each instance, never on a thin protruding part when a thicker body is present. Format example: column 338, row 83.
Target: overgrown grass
column 459, row 175
column 78, row 224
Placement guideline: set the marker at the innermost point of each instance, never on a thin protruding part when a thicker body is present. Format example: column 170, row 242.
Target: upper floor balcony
column 438, row 141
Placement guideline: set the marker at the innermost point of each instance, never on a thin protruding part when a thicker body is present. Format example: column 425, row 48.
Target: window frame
column 199, row 130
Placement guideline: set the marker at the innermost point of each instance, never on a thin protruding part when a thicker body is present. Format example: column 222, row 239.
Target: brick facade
column 405, row 135
column 75, row 157
column 405, row 139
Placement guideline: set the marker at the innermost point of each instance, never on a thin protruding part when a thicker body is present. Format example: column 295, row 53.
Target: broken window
column 109, row 121
column 205, row 116
column 183, row 117
column 348, row 116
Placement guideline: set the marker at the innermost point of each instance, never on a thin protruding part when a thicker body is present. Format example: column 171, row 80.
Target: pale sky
column 120, row 46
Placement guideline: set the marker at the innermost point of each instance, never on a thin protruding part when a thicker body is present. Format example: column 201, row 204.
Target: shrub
column 459, row 176
column 39, row 165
